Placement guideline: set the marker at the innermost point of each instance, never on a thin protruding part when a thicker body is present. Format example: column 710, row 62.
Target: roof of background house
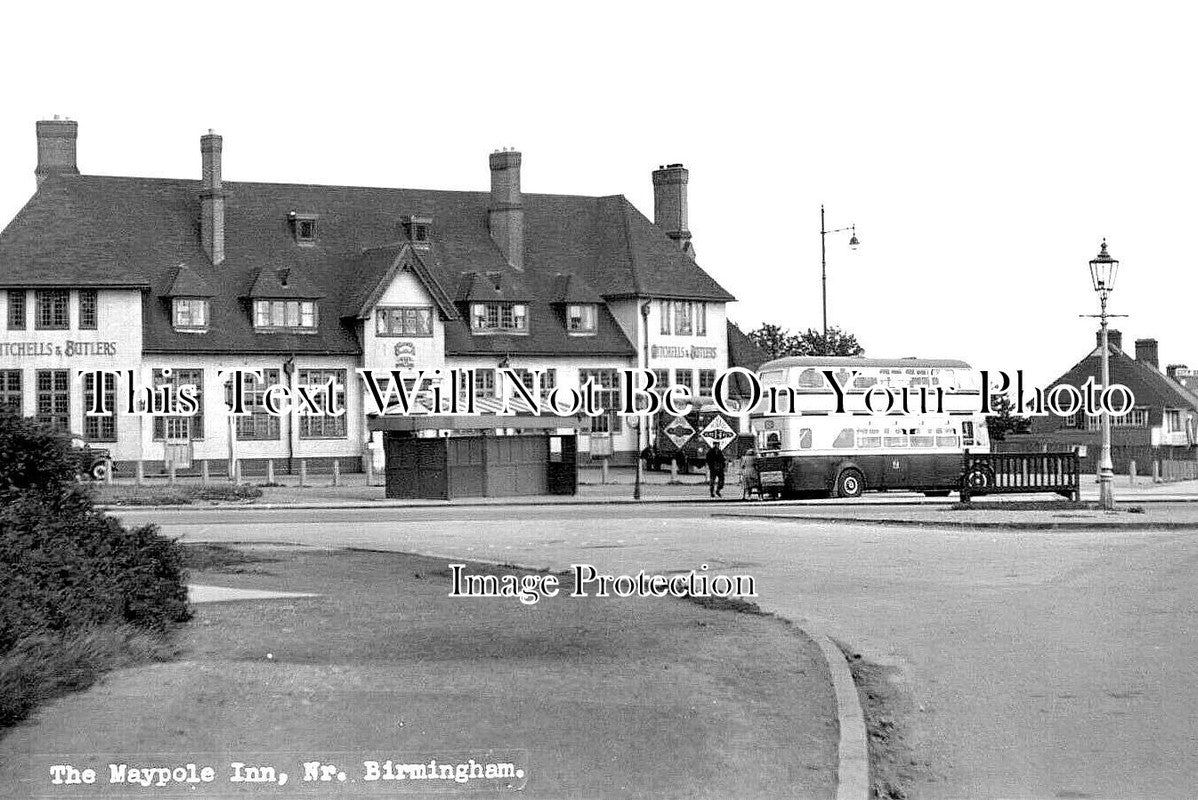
column 742, row 352
column 99, row 231
column 1151, row 387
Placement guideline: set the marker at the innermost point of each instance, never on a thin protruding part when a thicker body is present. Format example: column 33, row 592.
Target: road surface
column 1046, row 664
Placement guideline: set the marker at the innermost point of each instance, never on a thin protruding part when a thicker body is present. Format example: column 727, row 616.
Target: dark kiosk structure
column 530, row 456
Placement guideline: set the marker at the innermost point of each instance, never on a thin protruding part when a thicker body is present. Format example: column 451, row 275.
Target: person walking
column 715, row 470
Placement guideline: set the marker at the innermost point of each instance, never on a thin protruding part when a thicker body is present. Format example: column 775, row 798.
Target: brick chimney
column 669, row 204
column 1146, row 352
column 505, row 217
column 1114, row 337
column 212, row 199
column 56, row 148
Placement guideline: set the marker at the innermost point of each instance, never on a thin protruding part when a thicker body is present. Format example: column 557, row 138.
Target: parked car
column 91, row 463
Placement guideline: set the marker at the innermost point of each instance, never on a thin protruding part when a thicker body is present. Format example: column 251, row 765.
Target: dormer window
column 499, row 317
column 581, row 317
column 419, row 231
column 190, row 314
column 290, row 316
column 303, row 226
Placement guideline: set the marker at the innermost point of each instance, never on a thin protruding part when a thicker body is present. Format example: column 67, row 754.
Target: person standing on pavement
column 715, row 470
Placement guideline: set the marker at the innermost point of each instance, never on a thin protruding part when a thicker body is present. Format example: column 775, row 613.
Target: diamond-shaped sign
column 679, row 431
column 718, row 433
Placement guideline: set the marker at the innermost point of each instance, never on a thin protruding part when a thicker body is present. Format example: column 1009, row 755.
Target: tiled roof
column 475, row 287
column 377, row 266
column 136, row 232
column 742, row 352
column 1152, row 388
column 572, row 289
column 282, row 282
column 188, row 283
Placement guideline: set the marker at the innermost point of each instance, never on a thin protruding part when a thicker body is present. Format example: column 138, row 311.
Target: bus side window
column 810, row 379
column 844, row 438
column 804, row 438
column 967, row 432
column 773, row 441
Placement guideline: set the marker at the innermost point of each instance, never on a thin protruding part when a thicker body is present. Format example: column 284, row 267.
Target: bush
column 32, row 457
column 79, row 592
column 65, row 565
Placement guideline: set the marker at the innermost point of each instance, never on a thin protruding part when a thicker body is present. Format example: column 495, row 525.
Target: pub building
column 180, row 280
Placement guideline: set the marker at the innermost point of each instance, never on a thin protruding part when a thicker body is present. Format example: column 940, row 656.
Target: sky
column 982, row 150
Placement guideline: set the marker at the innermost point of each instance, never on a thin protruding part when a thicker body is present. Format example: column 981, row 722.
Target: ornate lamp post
column 823, row 257
column 1103, row 270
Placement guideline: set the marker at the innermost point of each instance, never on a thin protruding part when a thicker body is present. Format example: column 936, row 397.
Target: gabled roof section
column 72, row 233
column 282, row 282
column 377, row 268
column 572, row 289
column 659, row 266
column 500, row 286
column 188, row 283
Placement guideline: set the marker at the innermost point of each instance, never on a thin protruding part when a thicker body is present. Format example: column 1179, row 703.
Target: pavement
column 1139, row 505
column 1032, row 663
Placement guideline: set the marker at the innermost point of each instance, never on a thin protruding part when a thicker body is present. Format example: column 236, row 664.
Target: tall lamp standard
column 1103, row 270
column 823, row 257
column 641, row 424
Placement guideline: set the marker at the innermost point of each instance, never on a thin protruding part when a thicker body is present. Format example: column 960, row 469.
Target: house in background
column 1162, row 426
column 1187, row 377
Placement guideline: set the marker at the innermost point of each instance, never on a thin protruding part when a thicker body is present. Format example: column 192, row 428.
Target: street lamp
column 823, row 253
column 1103, row 270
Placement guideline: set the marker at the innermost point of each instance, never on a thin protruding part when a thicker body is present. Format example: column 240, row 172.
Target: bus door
column 895, row 465
column 896, row 470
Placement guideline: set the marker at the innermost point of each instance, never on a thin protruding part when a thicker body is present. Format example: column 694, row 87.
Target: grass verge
column 202, row 557
column 1038, row 505
column 44, row 667
column 178, row 495
column 602, row 697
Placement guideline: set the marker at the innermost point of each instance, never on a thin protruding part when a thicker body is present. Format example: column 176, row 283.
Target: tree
column 1004, row 422
column 772, row 340
column 777, row 342
column 837, row 343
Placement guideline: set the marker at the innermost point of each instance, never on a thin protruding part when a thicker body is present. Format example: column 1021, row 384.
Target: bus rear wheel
column 849, row 483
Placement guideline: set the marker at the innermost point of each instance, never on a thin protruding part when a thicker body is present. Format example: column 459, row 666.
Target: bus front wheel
column 849, row 483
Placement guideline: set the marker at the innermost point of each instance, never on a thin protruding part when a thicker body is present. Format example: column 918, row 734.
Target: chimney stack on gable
column 1146, row 352
column 505, row 217
column 1113, row 337
column 1173, row 369
column 56, row 140
column 669, row 204
column 212, row 199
